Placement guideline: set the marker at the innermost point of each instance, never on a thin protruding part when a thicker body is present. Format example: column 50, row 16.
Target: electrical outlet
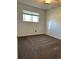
column 35, row 30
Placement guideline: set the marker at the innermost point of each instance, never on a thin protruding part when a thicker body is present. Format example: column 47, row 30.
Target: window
column 29, row 16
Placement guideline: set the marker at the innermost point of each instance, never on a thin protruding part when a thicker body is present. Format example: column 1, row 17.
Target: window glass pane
column 26, row 17
column 29, row 16
column 35, row 18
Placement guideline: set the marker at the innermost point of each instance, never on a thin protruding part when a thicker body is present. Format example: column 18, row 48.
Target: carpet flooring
column 39, row 47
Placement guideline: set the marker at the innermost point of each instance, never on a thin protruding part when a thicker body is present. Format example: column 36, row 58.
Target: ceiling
column 40, row 3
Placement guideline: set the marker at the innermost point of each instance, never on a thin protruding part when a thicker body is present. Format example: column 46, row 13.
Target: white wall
column 53, row 22
column 25, row 28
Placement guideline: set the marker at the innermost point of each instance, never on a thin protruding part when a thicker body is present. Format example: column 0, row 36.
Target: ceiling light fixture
column 47, row 1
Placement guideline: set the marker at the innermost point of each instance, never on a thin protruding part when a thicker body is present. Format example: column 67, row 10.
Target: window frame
column 31, row 17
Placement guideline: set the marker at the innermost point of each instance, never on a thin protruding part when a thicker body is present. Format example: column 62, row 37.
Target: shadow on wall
column 53, row 29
